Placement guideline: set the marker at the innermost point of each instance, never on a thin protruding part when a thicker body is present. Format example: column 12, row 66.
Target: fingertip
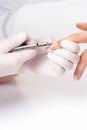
column 80, row 23
column 19, row 38
column 23, row 35
column 55, row 46
column 77, row 24
column 82, row 26
column 78, row 71
column 77, row 75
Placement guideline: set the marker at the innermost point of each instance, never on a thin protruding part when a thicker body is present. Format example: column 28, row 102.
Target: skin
column 78, row 38
column 7, row 78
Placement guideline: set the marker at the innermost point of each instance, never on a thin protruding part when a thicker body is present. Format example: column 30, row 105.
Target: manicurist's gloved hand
column 11, row 62
column 54, row 63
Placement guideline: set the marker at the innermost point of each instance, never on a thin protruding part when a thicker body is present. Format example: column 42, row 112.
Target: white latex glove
column 55, row 63
column 10, row 63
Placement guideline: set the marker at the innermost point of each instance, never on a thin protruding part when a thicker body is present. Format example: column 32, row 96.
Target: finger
column 69, row 45
column 76, row 37
column 7, row 78
column 81, row 66
column 60, row 61
column 23, row 56
column 59, row 70
column 56, row 45
column 72, row 57
column 82, row 26
column 12, row 42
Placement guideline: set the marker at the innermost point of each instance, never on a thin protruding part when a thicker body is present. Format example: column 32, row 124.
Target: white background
column 31, row 102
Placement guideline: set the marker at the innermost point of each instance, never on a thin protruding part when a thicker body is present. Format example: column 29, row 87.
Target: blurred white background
column 31, row 102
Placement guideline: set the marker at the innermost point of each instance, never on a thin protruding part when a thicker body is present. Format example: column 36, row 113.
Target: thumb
column 82, row 26
column 24, row 56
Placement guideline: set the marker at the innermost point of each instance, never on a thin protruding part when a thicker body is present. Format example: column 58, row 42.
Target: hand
column 10, row 63
column 78, row 38
column 54, row 63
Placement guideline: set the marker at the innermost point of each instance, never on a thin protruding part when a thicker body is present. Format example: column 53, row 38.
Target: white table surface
column 31, row 102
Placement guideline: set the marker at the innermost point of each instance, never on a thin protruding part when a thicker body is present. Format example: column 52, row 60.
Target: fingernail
column 54, row 46
column 22, row 35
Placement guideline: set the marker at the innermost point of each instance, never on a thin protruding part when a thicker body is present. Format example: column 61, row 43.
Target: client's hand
column 77, row 38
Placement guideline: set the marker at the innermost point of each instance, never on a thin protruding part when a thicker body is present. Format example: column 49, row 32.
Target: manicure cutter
column 31, row 46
